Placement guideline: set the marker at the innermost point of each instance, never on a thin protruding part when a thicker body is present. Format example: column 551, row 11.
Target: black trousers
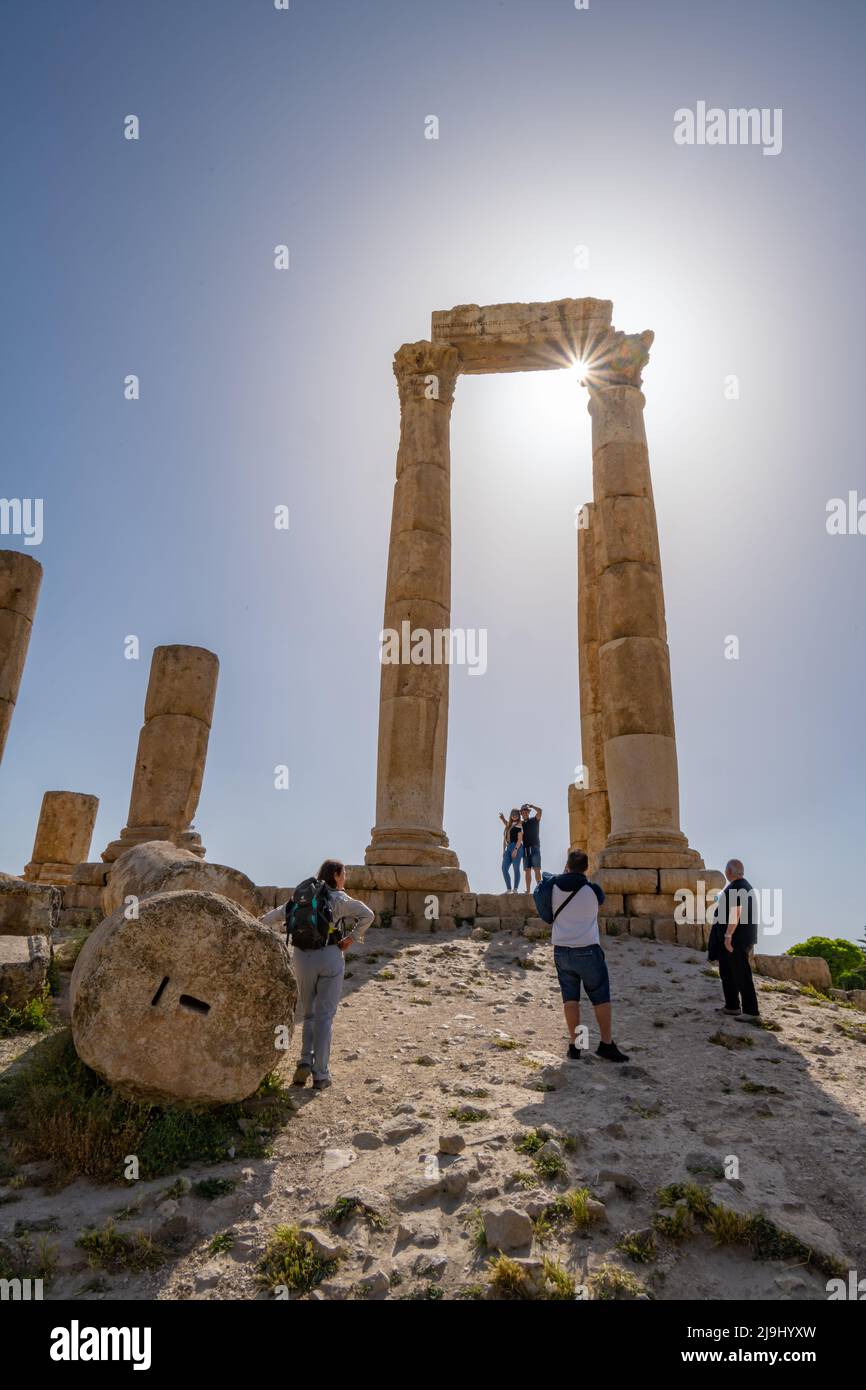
column 735, row 970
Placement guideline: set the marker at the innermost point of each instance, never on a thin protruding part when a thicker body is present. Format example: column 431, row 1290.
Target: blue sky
column 259, row 388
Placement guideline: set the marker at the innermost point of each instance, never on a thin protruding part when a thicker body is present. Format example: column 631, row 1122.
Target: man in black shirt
column 531, row 842
column 734, row 934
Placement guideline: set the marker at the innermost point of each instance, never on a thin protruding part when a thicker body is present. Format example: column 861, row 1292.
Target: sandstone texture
column 159, row 866
column 63, row 836
column 20, row 580
column 184, row 1003
column 24, row 962
column 28, row 909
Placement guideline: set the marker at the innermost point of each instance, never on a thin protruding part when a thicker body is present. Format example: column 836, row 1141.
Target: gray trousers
column 320, row 983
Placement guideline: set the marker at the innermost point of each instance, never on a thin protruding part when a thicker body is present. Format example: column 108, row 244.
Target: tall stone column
column 63, row 836
column 595, row 799
column 172, row 749
column 413, row 698
column 20, row 579
column 640, row 753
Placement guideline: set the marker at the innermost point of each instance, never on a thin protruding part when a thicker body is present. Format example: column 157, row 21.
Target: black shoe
column 573, row 1053
column 732, row 1013
column 610, row 1052
column 303, row 1072
column 322, row 1084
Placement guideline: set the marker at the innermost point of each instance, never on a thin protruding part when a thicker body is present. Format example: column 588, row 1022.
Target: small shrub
column 211, row 1188
column 639, row 1247
column 677, row 1224
column 220, row 1243
column 611, row 1282
column 32, row 1017
column 505, row 1044
column 529, row 1142
column 291, row 1261
column 549, row 1166
column 467, row 1114
column 508, row 1279
column 346, row 1207
column 110, row 1249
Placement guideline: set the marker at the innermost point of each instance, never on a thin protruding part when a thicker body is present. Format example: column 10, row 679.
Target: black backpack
column 309, row 915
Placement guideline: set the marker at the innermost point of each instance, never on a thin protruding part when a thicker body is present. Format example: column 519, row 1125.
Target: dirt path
column 434, row 1024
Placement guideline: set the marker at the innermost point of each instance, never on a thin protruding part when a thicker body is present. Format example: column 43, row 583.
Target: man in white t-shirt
column 578, row 956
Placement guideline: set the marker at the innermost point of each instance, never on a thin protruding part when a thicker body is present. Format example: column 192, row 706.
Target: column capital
column 426, row 371
column 618, row 360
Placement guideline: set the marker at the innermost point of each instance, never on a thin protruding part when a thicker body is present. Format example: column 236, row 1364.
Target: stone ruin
column 624, row 809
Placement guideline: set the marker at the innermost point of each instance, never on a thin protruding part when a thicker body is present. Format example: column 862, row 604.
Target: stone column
column 596, row 809
column 20, row 578
column 63, row 836
column 172, row 748
column 413, row 698
column 640, row 753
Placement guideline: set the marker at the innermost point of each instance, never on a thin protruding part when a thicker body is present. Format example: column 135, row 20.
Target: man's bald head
column 734, row 869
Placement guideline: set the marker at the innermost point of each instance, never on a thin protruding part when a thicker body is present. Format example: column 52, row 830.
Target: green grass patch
column 221, row 1243
column 611, row 1282
column 346, row 1207
column 59, row 1111
column 108, row 1248
column 291, row 1262
column 32, row 1017
column 211, row 1188
column 466, row 1114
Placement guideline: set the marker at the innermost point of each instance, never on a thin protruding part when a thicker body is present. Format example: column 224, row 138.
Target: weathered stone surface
column 160, row 867
column 20, row 579
column 506, row 905
column 522, row 337
column 650, row 905
column 507, row 1228
column 184, row 1004
column 613, row 905
column 172, row 749
column 28, row 909
column 24, row 962
column 92, row 875
column 665, row 929
column 396, row 877
column 672, row 880
column 803, row 970
column 628, row 880
column 63, row 835
column 692, row 934
column 640, row 926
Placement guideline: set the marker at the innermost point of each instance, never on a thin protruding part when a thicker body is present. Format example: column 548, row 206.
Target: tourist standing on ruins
column 578, row 956
column 531, row 842
column 512, row 849
column 733, row 937
column 319, row 974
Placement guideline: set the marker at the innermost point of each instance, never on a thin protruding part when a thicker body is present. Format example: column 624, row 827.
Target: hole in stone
column 156, row 998
column 198, row 1006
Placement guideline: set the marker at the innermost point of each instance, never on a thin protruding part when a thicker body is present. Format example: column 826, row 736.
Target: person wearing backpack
column 322, row 921
column 570, row 903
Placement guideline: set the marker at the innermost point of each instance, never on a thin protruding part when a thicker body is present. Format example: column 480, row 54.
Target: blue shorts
column 582, row 964
column 532, row 857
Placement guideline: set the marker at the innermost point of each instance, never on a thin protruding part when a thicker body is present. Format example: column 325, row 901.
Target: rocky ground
column 449, row 1050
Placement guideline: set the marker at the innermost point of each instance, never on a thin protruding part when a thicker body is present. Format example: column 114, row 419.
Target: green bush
column 840, row 954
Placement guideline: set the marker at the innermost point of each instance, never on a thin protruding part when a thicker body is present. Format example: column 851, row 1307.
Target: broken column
column 172, row 749
column 190, row 1001
column 413, row 700
column 20, row 579
column 63, row 836
column 596, row 809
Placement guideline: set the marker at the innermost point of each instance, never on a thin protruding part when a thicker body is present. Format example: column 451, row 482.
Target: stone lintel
column 523, row 337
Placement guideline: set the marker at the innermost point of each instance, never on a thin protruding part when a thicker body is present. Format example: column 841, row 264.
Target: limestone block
column 650, row 905
column 183, row 680
column 803, row 970
column 79, row 916
column 63, row 833
column 650, row 859
column 401, row 923
column 80, row 895
column 506, row 905
column 640, row 926
column 672, row 880
column 635, row 675
column 187, row 1004
column 522, row 337
column 613, row 905
column 28, row 909
column 489, row 924
column 631, row 599
column 172, row 750
column 692, row 934
column 628, row 880
column 24, row 962
column 93, row 874
column 267, row 895
column 158, row 866
column 626, row 531
column 377, row 900
column 614, row 926
column 665, row 929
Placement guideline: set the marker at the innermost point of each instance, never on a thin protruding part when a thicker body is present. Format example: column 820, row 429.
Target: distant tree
column 844, row 957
